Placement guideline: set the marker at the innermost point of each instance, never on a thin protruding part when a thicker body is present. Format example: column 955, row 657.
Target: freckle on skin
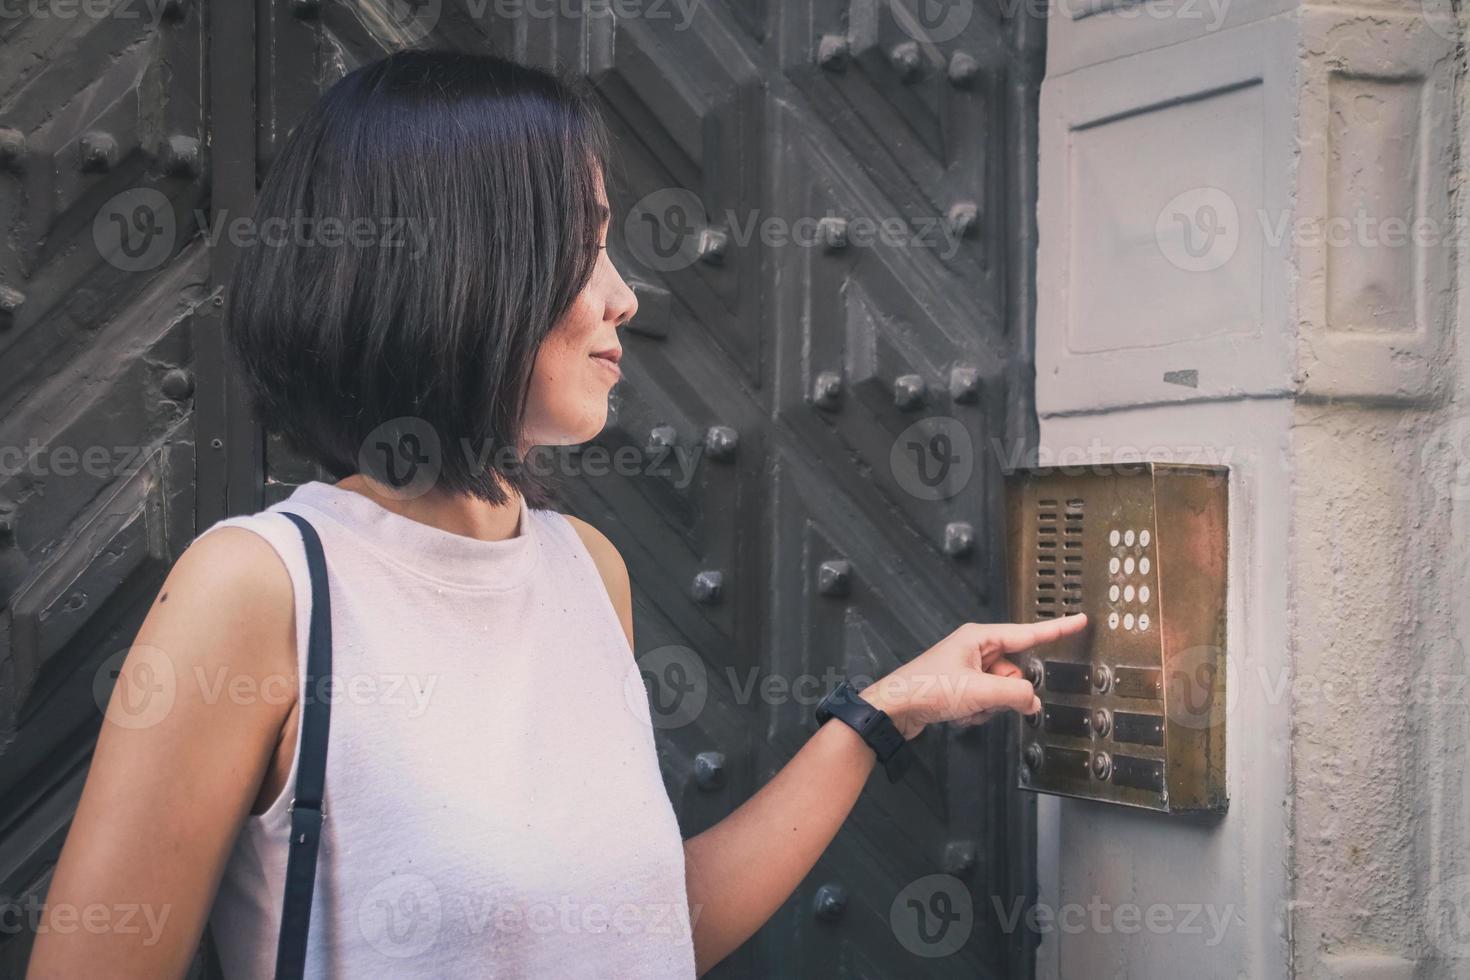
column 163, row 598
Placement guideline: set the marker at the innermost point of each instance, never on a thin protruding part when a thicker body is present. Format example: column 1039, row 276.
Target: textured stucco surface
column 1327, row 376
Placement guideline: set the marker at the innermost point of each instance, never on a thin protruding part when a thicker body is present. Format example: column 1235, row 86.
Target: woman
column 493, row 800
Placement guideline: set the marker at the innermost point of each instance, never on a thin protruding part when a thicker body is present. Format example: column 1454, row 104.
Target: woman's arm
column 194, row 721
column 742, row 869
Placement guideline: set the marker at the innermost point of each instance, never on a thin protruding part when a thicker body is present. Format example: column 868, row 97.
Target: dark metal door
column 826, row 210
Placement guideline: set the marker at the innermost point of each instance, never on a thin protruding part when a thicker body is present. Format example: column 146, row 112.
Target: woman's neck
column 457, row 514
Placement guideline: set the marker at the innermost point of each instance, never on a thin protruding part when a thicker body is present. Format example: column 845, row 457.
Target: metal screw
column 708, row 587
column 721, row 442
column 959, row 539
column 908, row 391
column 709, row 770
column 827, row 390
column 834, row 577
column 830, row 902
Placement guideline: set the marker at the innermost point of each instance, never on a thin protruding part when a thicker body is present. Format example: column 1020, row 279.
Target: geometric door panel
column 824, row 207
column 103, row 159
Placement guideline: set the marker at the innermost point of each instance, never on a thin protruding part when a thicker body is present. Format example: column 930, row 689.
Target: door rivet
column 98, row 152
column 709, row 770
column 908, row 391
column 827, row 390
column 708, row 587
column 721, row 442
column 834, row 577
column 830, row 902
column 905, row 59
column 959, row 539
column 964, row 383
column 832, row 52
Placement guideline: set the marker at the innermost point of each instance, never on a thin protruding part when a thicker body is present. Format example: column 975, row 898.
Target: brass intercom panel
column 1133, row 709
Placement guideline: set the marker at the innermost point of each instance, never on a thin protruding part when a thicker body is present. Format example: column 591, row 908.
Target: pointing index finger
column 1017, row 637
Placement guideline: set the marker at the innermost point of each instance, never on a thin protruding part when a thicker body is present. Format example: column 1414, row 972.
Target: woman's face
column 577, row 364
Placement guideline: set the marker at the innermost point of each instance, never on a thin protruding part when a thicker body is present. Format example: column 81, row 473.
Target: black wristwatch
column 873, row 724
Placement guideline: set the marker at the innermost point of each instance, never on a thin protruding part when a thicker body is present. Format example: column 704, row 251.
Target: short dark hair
column 477, row 179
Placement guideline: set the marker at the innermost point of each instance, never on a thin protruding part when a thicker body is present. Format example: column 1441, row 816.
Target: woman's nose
column 623, row 303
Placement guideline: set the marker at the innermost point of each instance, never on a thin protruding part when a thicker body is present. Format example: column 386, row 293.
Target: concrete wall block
column 1082, row 33
column 1373, row 231
column 1156, row 279
column 1210, row 894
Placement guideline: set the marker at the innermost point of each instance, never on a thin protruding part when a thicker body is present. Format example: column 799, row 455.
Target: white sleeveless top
column 493, row 798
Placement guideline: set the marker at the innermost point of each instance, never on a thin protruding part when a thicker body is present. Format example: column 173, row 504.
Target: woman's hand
column 967, row 677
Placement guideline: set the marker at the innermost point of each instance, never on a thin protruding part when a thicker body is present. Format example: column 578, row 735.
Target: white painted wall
column 1221, row 278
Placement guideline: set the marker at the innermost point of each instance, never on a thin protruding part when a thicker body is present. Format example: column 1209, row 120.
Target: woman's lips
column 609, row 360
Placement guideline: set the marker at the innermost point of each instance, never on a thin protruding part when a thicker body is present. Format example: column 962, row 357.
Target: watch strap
column 872, row 724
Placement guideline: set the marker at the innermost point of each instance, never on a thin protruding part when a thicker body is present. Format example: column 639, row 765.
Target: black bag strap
column 307, row 812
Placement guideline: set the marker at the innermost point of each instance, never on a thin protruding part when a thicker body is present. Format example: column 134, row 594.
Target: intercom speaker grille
column 1048, row 560
column 1072, row 557
column 1058, row 558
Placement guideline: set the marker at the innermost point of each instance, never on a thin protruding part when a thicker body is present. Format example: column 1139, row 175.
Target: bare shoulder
column 611, row 566
column 227, row 599
column 602, row 550
column 193, row 725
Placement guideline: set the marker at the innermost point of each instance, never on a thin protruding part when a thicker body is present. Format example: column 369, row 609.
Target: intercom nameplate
column 1133, row 709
